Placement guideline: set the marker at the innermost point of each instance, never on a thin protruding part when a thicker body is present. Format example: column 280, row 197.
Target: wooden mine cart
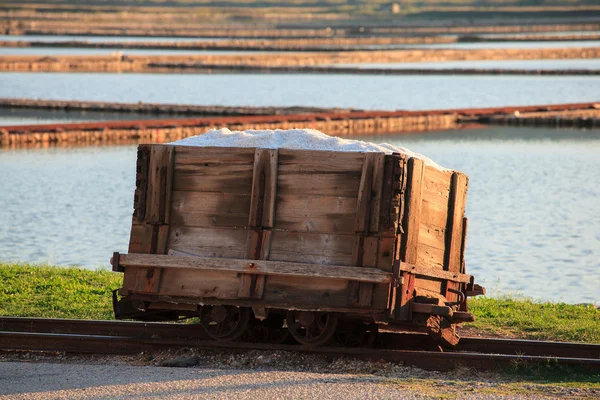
column 315, row 242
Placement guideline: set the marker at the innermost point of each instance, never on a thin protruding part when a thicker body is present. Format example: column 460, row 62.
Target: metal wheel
column 270, row 330
column 224, row 322
column 311, row 328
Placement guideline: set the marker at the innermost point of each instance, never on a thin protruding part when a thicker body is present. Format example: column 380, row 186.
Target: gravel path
column 251, row 376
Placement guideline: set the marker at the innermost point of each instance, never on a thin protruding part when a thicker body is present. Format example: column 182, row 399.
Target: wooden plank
column 141, row 183
column 140, row 239
column 312, row 161
column 210, row 210
column 261, row 217
column 318, row 184
column 209, row 242
column 264, row 186
column 434, row 212
column 435, row 273
column 160, row 181
column 376, row 191
column 410, row 238
column 458, row 198
column 365, row 249
column 317, row 214
column 313, row 248
column 208, row 284
column 412, row 211
column 206, row 169
column 255, row 267
column 433, row 236
column 430, row 256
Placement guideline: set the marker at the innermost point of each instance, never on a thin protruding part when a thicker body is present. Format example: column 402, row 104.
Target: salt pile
column 294, row 139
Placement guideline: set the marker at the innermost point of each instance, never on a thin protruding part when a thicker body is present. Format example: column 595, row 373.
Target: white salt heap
column 295, row 139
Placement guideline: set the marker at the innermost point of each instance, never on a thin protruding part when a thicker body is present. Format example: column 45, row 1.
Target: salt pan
column 294, row 139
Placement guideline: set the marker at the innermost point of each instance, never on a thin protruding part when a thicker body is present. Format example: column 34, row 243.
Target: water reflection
column 346, row 91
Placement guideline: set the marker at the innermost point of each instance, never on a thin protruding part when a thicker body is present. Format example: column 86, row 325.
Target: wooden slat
column 410, row 238
column 316, row 248
column 159, row 184
column 317, row 214
column 366, row 245
column 435, row 273
column 458, row 198
column 140, row 240
column 210, row 210
column 430, row 256
column 264, row 186
column 328, row 162
column 256, row 267
column 376, row 191
column 209, row 242
column 319, row 184
column 221, row 170
column 141, row 183
column 261, row 218
column 434, row 212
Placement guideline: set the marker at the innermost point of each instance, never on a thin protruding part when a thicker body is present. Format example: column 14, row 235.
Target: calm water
column 372, row 92
column 592, row 63
column 534, row 214
column 509, row 45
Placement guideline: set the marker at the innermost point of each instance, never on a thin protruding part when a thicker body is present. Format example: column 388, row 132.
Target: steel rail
column 387, row 340
column 442, row 361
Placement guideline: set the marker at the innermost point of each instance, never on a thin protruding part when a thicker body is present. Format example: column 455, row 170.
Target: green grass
column 58, row 292
column 525, row 318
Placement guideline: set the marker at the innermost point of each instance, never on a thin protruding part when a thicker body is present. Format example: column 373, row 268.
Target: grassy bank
column 52, row 292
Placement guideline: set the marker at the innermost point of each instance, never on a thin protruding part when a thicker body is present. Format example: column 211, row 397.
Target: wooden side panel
column 433, row 228
column 314, row 248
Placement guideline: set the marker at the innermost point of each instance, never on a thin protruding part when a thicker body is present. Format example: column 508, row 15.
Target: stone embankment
column 308, row 44
column 118, row 62
column 346, row 124
column 157, row 108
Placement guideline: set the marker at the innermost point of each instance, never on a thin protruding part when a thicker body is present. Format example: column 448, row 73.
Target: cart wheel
column 311, row 328
column 224, row 322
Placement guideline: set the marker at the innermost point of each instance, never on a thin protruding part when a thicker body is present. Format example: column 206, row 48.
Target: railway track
column 112, row 337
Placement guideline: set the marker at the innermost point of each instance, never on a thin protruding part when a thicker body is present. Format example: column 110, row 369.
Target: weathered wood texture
column 152, row 213
column 433, row 238
column 317, row 209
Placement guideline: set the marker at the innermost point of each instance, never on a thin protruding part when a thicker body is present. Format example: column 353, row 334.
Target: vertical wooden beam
column 365, row 250
column 261, row 218
column 454, row 230
column 465, row 226
column 410, row 238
